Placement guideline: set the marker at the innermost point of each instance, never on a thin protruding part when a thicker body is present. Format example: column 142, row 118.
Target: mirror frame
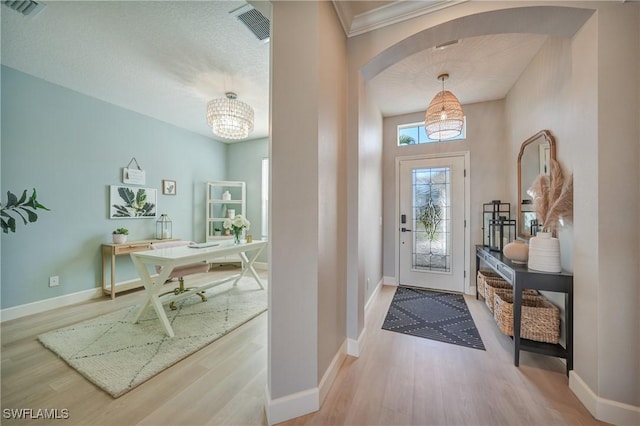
column 548, row 137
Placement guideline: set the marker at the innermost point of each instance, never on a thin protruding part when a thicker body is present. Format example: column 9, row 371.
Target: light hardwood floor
column 399, row 379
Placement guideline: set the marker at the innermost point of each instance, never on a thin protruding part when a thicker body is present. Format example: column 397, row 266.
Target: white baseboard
column 353, row 346
column 372, row 297
column 603, row 409
column 389, row 281
column 305, row 402
column 291, row 406
column 332, row 372
column 44, row 305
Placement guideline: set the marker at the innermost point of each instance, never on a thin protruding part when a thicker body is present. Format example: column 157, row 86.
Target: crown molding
column 390, row 14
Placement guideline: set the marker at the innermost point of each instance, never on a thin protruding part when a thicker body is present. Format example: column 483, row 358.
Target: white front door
column 432, row 214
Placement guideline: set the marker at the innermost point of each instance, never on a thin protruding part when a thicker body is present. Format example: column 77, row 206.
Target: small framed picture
column 168, row 187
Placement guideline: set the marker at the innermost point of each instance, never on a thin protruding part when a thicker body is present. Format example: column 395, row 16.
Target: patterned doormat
column 433, row 315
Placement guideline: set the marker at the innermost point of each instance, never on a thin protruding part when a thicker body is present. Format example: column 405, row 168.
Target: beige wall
column 618, row 174
column 606, row 327
column 585, row 79
column 332, row 94
column 307, row 315
column 294, row 200
column 579, row 89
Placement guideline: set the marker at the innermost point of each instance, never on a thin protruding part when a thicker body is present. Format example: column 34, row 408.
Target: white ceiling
column 163, row 59
column 480, row 69
column 167, row 59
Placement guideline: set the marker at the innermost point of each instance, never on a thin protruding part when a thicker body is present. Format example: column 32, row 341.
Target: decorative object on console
column 444, row 118
column 552, row 198
column 544, row 253
column 164, row 228
column 495, row 211
column 501, row 232
column 236, row 226
column 517, row 251
column 230, row 118
column 120, row 235
column 553, row 203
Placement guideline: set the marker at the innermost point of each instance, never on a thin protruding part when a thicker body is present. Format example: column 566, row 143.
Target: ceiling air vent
column 28, row 8
column 255, row 21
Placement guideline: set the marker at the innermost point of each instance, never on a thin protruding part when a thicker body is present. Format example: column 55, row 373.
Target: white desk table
column 169, row 258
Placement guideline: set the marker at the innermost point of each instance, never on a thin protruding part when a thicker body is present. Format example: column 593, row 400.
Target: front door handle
column 405, row 230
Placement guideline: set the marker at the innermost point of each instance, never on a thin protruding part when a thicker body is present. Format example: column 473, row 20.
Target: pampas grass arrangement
column 552, row 198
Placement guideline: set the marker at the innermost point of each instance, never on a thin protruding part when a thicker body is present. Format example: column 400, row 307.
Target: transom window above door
column 414, row 134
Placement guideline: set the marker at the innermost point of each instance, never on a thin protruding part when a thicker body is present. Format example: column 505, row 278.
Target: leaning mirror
column 533, row 160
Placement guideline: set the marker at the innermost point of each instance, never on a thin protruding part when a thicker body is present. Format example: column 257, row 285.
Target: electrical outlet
column 54, row 281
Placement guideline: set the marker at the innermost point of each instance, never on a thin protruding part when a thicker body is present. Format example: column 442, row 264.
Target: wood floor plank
column 397, row 380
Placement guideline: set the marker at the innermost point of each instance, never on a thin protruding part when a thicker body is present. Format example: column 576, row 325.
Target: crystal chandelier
column 444, row 118
column 230, row 118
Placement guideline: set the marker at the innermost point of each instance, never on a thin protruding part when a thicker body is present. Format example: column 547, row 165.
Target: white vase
column 119, row 238
column 544, row 253
column 517, row 251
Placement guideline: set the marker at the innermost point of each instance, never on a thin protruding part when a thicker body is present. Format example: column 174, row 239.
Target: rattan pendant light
column 444, row 118
column 230, row 118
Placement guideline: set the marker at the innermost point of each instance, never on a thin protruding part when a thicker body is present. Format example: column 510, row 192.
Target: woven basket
column 540, row 320
column 490, row 287
column 480, row 281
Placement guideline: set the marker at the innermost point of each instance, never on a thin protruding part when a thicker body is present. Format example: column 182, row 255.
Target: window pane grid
column 415, row 134
column 431, row 219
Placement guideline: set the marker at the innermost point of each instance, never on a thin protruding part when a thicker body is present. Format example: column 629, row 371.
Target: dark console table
column 520, row 278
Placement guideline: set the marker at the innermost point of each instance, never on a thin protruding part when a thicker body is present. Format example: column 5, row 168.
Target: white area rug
column 118, row 355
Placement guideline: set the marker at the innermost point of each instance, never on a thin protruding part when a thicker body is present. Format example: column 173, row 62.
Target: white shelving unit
column 218, row 208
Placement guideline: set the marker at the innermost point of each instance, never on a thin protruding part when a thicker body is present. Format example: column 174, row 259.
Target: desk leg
column 153, row 288
column 517, row 317
column 248, row 265
column 113, row 276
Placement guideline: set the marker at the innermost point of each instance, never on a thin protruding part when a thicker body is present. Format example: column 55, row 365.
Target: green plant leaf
column 127, row 196
column 12, row 200
column 24, row 197
column 33, row 216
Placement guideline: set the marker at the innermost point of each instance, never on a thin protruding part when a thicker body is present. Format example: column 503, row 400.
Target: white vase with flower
column 236, row 226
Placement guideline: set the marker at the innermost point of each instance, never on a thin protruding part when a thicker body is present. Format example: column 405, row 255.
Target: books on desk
column 204, row 245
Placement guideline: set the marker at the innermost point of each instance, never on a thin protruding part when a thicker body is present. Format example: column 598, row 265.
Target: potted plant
column 120, row 235
column 216, row 232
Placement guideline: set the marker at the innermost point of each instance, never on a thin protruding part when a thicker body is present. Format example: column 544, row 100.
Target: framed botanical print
column 169, row 187
column 132, row 202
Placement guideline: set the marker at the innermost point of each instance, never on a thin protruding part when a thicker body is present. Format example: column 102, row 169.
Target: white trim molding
column 353, row 346
column 305, row 402
column 390, row 281
column 291, row 406
column 603, row 409
column 332, row 372
column 20, row 311
column 372, row 297
column 467, row 210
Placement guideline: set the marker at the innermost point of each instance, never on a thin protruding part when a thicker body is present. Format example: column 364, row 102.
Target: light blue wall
column 71, row 147
column 244, row 163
